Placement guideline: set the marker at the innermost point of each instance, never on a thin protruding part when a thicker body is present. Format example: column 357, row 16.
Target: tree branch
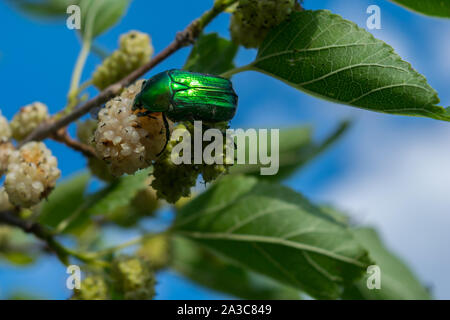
column 38, row 230
column 182, row 39
column 45, row 234
column 62, row 136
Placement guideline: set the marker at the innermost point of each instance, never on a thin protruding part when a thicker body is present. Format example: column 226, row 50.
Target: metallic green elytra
column 187, row 96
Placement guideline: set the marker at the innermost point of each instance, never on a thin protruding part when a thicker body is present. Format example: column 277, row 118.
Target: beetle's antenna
column 166, row 126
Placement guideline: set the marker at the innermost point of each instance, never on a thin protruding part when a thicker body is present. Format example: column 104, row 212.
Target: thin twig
column 182, row 39
column 36, row 229
column 45, row 234
column 63, row 136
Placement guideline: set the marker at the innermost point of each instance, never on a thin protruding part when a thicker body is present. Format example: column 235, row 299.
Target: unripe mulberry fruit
column 157, row 250
column 6, row 148
column 86, row 130
column 31, row 175
column 28, row 119
column 5, row 130
column 93, row 287
column 134, row 278
column 135, row 50
column 5, row 205
column 125, row 140
column 252, row 20
column 211, row 172
column 145, row 203
column 173, row 181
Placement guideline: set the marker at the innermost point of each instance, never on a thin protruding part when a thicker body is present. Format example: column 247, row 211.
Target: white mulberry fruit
column 125, row 140
column 6, row 148
column 252, row 19
column 28, row 119
column 134, row 51
column 31, row 175
column 5, row 130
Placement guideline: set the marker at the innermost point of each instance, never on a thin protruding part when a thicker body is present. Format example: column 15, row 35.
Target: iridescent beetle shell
column 186, row 96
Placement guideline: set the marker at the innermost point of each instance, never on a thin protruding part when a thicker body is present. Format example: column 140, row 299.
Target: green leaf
column 397, row 280
column 332, row 58
column 206, row 269
column 117, row 194
column 103, row 14
column 17, row 257
column 211, row 54
column 296, row 148
column 64, row 200
column 437, row 8
column 275, row 231
column 44, row 8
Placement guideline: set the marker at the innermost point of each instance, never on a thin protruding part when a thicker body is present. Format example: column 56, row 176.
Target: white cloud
column 400, row 182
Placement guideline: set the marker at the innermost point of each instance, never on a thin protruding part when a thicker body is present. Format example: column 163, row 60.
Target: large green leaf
column 211, row 54
column 119, row 193
column 103, row 14
column 64, row 200
column 296, row 148
column 437, row 8
column 397, row 280
column 274, row 231
column 116, row 195
column 332, row 58
column 208, row 270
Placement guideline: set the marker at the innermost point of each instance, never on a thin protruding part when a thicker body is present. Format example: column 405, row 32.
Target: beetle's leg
column 166, row 126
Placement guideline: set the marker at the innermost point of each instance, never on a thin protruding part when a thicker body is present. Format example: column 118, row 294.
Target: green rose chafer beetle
column 187, row 96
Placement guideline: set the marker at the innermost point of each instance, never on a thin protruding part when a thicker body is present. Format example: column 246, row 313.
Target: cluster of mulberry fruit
column 31, row 171
column 129, row 278
column 93, row 287
column 6, row 148
column 252, row 19
column 31, row 175
column 174, row 181
column 125, row 140
column 5, row 130
column 28, row 119
column 134, row 277
column 135, row 49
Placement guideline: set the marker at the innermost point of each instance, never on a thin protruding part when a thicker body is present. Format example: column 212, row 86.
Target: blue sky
column 389, row 171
